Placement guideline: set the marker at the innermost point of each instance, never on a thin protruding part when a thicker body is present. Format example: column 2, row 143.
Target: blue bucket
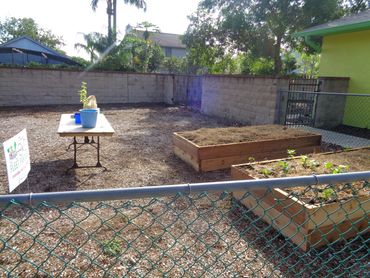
column 89, row 117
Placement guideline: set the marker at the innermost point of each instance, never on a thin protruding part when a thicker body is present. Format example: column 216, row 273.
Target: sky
column 70, row 18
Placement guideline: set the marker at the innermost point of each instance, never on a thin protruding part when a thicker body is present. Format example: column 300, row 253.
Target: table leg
column 98, row 150
column 75, row 165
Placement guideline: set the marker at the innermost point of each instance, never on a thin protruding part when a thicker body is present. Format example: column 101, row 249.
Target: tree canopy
column 11, row 28
column 261, row 28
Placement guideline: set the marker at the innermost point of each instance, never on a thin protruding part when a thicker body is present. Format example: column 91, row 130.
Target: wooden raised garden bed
column 219, row 148
column 315, row 217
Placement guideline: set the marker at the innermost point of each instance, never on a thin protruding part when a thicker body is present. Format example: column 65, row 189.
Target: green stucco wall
column 348, row 55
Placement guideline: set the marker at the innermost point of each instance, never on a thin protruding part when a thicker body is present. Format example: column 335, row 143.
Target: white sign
column 17, row 157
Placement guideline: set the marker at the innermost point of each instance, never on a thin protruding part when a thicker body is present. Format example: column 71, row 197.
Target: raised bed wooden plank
column 185, row 145
column 275, row 218
column 187, row 158
column 319, row 224
column 222, row 156
column 225, row 161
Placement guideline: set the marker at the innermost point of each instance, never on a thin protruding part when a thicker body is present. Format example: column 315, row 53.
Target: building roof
column 28, row 45
column 352, row 23
column 164, row 39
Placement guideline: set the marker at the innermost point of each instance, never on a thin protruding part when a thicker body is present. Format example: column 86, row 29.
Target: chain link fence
column 342, row 119
column 224, row 229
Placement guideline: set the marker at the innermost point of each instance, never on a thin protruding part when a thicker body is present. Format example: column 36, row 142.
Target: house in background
column 24, row 50
column 170, row 43
column 345, row 51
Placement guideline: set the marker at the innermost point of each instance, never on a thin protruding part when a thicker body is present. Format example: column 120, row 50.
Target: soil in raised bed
column 345, row 161
column 227, row 135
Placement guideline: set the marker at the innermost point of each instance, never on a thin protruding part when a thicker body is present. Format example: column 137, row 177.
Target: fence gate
column 301, row 106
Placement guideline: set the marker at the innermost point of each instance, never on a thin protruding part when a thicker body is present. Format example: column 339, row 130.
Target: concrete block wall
column 19, row 87
column 246, row 99
column 249, row 100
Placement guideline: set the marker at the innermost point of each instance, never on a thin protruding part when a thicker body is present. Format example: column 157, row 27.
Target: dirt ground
column 139, row 153
column 227, row 135
column 202, row 235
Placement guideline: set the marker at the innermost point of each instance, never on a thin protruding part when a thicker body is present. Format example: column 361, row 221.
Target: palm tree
column 147, row 28
column 112, row 14
column 94, row 43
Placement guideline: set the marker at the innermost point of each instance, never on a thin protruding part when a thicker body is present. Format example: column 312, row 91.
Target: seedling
column 251, row 159
column 112, row 248
column 305, row 161
column 284, row 166
column 266, row 172
column 336, row 170
column 309, row 163
column 328, row 165
column 291, row 152
column 327, row 194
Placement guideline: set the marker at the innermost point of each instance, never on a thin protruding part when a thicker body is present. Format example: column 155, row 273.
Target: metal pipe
column 170, row 190
column 327, row 93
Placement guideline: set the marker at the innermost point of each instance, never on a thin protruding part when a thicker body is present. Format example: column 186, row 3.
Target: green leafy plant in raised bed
column 309, row 163
column 336, row 170
column 291, row 152
column 266, row 172
column 284, row 166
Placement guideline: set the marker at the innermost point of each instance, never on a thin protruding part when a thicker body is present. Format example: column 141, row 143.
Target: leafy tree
column 133, row 54
column 94, row 43
column 174, row 65
column 147, row 28
column 355, row 6
column 112, row 14
column 308, row 64
column 11, row 28
column 261, row 28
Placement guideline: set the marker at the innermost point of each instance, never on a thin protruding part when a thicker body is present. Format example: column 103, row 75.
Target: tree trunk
column 114, row 20
column 277, row 58
column 109, row 12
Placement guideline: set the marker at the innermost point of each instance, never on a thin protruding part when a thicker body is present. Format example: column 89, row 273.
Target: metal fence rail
column 223, row 229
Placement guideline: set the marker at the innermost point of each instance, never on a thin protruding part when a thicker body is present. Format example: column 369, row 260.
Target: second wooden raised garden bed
column 219, row 148
column 310, row 217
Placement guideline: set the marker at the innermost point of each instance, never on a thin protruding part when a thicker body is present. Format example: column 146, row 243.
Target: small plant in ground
column 266, row 172
column 327, row 194
column 309, row 163
column 283, row 165
column 336, row 170
column 304, row 160
column 112, row 248
column 291, row 152
column 251, row 159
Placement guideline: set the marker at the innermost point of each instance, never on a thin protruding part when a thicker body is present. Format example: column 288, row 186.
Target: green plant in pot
column 89, row 112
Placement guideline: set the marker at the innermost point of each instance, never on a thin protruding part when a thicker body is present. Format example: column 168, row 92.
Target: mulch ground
column 139, row 154
column 205, row 235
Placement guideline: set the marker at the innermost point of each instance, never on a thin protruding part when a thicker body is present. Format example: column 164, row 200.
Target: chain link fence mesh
column 342, row 119
column 228, row 234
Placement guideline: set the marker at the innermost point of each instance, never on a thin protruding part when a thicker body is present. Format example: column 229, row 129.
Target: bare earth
column 139, row 154
column 216, row 136
column 205, row 235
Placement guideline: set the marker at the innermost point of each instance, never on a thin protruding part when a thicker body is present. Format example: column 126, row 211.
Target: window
column 168, row 51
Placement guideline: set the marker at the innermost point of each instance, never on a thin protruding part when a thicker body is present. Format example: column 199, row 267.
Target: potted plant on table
column 89, row 112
